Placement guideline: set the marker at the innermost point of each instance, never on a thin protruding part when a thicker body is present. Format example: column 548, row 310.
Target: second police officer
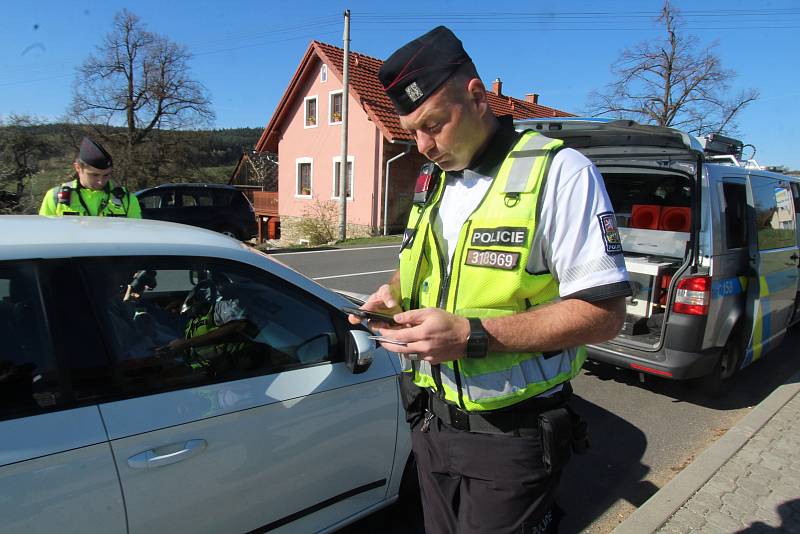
column 91, row 193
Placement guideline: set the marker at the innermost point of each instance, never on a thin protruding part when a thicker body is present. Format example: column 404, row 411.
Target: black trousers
column 484, row 483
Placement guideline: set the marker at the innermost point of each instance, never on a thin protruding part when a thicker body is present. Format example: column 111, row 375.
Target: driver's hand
column 176, row 345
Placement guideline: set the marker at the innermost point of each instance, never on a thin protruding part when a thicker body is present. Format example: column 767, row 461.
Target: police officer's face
column 91, row 177
column 448, row 126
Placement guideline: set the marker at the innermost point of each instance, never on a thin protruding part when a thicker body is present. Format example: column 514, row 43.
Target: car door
column 261, row 428
column 57, row 473
column 773, row 281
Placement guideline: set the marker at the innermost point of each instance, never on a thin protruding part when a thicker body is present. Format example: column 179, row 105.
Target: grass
column 370, row 240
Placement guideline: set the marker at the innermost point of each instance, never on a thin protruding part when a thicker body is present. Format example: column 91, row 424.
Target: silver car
column 162, row 378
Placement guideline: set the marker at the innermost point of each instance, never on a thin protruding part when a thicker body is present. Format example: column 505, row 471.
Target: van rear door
column 773, row 278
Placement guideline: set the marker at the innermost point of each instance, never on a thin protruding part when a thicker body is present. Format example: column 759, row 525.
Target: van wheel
column 720, row 381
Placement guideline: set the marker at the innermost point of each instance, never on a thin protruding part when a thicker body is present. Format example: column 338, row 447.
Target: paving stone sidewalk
column 749, row 481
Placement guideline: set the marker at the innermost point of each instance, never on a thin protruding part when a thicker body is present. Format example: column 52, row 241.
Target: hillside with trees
column 35, row 156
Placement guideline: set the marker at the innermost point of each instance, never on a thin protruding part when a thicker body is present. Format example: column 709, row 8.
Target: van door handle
column 147, row 459
column 794, row 257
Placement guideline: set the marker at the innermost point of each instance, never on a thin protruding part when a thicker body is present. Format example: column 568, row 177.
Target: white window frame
column 330, row 106
column 297, row 163
column 323, row 73
column 352, row 161
column 305, row 111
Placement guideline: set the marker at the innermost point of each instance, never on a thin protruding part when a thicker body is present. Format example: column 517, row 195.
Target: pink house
column 305, row 132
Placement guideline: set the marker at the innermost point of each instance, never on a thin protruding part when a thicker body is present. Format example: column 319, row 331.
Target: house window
column 337, row 168
column 323, row 73
column 303, row 177
column 310, row 107
column 335, row 108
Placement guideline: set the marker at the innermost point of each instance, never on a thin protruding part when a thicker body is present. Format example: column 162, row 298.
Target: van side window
column 735, row 206
column 774, row 213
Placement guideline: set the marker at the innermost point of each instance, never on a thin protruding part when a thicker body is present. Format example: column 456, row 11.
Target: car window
column 29, row 378
column 196, row 198
column 224, row 197
column 176, row 322
column 150, row 201
column 775, row 223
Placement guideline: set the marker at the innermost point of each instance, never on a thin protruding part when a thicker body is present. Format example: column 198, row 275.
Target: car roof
column 183, row 185
column 30, row 236
column 600, row 136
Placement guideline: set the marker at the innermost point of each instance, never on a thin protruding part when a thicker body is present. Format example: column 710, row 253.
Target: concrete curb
column 661, row 506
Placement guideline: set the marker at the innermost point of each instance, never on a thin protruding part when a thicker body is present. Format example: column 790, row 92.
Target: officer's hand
column 385, row 300
column 431, row 333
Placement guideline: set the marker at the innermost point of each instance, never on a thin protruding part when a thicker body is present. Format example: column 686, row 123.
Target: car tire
column 721, row 379
column 409, row 485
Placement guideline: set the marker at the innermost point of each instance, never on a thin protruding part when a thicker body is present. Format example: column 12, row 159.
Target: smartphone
column 387, row 340
column 375, row 316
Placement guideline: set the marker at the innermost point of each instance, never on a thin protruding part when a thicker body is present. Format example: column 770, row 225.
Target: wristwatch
column 478, row 340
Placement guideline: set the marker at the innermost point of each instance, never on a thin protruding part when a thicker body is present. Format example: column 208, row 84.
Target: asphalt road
column 643, row 432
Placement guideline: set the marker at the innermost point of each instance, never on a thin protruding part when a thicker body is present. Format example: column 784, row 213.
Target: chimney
column 497, row 87
column 532, row 98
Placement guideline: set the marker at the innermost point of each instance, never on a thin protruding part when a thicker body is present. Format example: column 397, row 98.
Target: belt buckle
column 459, row 419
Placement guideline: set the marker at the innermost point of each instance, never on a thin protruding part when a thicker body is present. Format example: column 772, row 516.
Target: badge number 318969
column 497, row 259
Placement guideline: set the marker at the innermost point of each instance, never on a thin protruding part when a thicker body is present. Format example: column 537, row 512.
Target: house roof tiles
column 366, row 89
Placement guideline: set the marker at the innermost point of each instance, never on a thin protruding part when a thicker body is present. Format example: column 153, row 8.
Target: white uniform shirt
column 571, row 239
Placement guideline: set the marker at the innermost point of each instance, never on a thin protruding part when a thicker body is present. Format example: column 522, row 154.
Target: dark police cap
column 91, row 153
column 415, row 71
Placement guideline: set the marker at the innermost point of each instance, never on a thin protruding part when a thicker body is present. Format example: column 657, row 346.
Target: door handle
column 147, row 459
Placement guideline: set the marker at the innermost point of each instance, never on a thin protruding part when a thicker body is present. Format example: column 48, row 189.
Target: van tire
column 721, row 379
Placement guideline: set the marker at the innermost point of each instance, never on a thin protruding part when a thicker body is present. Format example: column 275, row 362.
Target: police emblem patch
column 610, row 233
column 414, row 92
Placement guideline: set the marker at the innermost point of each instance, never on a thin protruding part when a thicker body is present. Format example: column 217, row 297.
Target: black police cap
column 94, row 155
column 415, row 71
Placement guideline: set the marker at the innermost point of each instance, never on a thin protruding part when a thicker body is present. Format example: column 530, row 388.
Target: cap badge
column 414, row 92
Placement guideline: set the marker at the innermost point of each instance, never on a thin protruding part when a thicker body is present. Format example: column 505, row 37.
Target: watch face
column 478, row 342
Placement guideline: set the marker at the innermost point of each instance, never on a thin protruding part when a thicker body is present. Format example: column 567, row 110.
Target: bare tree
column 672, row 81
column 141, row 81
column 21, row 149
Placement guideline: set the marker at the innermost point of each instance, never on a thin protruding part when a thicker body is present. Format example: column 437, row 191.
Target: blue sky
column 245, row 53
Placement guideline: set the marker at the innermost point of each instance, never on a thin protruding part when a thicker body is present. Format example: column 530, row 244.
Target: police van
column 710, row 242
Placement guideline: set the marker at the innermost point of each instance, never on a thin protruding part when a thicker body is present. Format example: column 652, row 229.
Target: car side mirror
column 359, row 350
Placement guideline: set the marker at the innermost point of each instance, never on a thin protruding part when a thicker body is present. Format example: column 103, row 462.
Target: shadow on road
column 749, row 387
column 610, row 471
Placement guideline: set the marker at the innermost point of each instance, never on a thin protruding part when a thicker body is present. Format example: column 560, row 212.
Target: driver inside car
column 217, row 335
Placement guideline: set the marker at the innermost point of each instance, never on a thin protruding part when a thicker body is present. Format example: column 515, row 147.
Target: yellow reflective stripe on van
column 760, row 325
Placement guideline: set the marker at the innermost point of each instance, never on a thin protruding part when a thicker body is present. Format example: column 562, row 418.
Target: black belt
column 524, row 415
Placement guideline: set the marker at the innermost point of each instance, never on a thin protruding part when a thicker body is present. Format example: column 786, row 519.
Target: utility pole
column 345, row 100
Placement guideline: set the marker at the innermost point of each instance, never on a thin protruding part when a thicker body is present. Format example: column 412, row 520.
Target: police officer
column 510, row 263
column 92, row 192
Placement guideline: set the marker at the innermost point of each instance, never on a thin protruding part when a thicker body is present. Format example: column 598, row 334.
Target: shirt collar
column 488, row 161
